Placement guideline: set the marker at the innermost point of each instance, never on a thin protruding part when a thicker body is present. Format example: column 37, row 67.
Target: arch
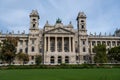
column 34, row 19
column 66, row 59
column 59, row 59
column 82, row 20
column 52, row 59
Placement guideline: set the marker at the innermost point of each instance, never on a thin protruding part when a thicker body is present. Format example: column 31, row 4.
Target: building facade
column 61, row 43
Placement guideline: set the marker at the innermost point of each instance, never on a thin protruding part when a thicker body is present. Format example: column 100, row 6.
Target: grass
column 60, row 74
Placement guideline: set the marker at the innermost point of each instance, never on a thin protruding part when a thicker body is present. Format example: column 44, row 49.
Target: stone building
column 61, row 43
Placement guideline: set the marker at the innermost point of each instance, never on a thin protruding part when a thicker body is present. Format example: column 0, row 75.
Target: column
column 55, row 44
column 106, row 43
column 69, row 44
column 73, row 42
column 44, row 44
column 91, row 47
column 115, row 43
column 95, row 43
column 62, row 44
column 48, row 44
column 110, row 44
column 63, row 59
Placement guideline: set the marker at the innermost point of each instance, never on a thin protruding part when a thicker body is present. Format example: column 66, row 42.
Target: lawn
column 60, row 74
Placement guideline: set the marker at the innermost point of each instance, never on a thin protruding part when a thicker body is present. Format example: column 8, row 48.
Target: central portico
column 58, row 43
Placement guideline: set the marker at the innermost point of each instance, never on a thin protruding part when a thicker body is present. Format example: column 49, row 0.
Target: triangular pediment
column 59, row 31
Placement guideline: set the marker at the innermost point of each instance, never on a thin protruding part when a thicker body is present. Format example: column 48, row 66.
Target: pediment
column 59, row 31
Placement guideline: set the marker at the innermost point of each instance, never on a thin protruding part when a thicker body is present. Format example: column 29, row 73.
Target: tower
column 33, row 39
column 82, row 38
column 81, row 23
column 34, row 21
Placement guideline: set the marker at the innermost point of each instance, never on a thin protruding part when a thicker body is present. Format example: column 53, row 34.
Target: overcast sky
column 102, row 15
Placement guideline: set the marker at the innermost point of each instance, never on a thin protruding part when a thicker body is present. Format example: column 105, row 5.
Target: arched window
column 52, row 60
column 82, row 20
column 66, row 59
column 59, row 59
column 33, row 49
column 34, row 19
column 33, row 25
column 82, row 26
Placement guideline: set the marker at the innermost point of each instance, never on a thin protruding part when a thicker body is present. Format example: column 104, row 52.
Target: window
column 52, row 44
column 118, row 43
column 77, row 57
column 113, row 43
column 82, row 20
column 82, row 26
column 93, row 50
column 33, row 25
column 66, row 44
column 66, row 59
column 40, row 50
column 33, row 49
column 108, row 43
column 59, row 44
column 103, row 42
column 93, row 43
column 26, row 50
column 20, row 50
column 52, row 59
column 34, row 19
column 98, row 42
column 59, row 59
column 84, row 50
column 32, row 57
column 83, row 42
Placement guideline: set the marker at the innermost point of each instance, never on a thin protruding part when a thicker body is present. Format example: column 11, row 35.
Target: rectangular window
column 82, row 26
column 113, row 43
column 59, row 44
column 32, row 57
column 93, row 43
column 108, row 43
column 103, row 42
column 66, row 44
column 33, row 49
column 84, row 50
column 26, row 50
column 118, row 43
column 21, row 42
column 20, row 50
column 52, row 44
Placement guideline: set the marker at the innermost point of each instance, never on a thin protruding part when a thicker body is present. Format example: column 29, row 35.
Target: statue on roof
column 58, row 20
